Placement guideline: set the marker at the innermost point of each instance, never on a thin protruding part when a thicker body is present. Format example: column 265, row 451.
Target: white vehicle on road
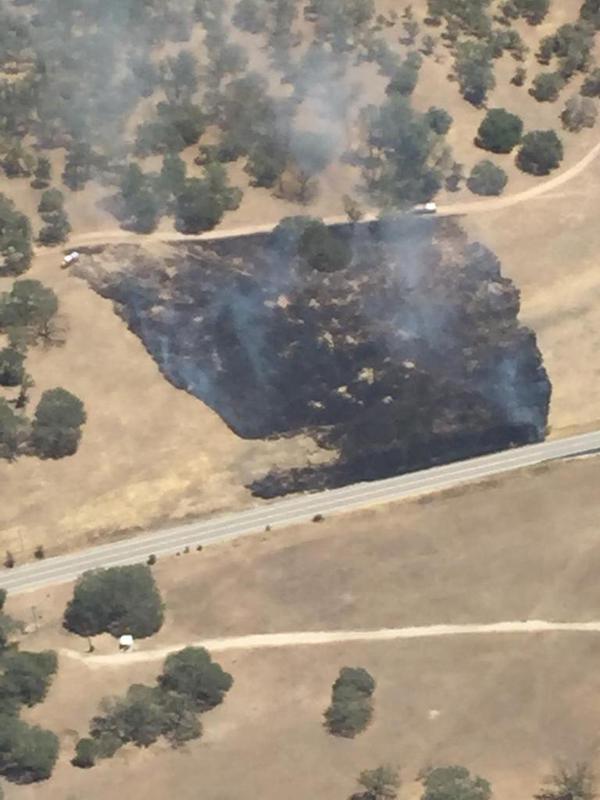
column 425, row 208
column 70, row 259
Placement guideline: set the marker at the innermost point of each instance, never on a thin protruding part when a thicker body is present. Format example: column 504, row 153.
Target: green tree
column 266, row 162
column 474, row 71
column 10, row 426
column 172, row 174
column 191, row 672
column 540, row 153
column 217, row 182
column 534, row 11
column 86, row 752
column 138, row 717
column 11, row 367
column 487, row 179
column 250, row 16
column 351, row 707
column 323, row 250
column 453, row 783
column 56, row 428
column 439, row 120
column 591, row 85
column 179, row 76
column 500, row 131
column 518, row 79
column 50, row 201
column 56, row 229
column 27, row 753
column 578, row 113
column 590, row 12
column 26, row 677
column 15, row 239
column 42, row 174
column 27, row 310
column 78, row 166
column 116, row 601
column 547, row 86
column 196, row 207
column 379, row 784
column 401, row 168
column 404, row 78
column 570, row 783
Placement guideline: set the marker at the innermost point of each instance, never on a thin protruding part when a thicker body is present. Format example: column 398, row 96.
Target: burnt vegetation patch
column 396, row 343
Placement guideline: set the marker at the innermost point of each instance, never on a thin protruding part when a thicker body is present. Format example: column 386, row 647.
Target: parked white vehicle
column 70, row 259
column 425, row 208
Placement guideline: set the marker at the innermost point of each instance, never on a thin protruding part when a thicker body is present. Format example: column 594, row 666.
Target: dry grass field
column 151, row 454
column 522, row 547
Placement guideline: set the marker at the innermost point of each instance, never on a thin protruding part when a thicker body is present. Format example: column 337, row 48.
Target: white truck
column 70, row 259
column 425, row 208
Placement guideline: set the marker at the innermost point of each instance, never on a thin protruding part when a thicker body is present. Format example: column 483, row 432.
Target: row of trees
column 27, row 752
column 456, row 783
column 27, row 316
column 190, row 684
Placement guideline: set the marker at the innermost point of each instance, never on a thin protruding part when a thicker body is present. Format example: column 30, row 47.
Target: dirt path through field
column 273, row 640
column 475, row 207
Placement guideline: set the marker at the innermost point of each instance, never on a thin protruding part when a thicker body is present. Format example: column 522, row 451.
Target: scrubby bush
column 56, row 428
column 117, row 600
column 500, row 131
column 487, row 179
column 351, row 707
column 540, row 153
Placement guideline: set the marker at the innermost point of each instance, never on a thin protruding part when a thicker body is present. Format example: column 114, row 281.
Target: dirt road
column 294, row 639
column 118, row 236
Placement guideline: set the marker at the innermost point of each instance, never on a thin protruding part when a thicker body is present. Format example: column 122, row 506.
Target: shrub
column 51, row 200
column 351, row 708
column 533, row 11
column 116, row 601
column 56, row 428
column 487, row 179
column 540, row 153
column 500, row 131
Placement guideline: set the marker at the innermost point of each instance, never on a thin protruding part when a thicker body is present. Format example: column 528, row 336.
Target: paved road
column 298, row 638
column 281, row 513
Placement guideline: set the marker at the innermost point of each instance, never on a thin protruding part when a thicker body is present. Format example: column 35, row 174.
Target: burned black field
column 396, row 343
